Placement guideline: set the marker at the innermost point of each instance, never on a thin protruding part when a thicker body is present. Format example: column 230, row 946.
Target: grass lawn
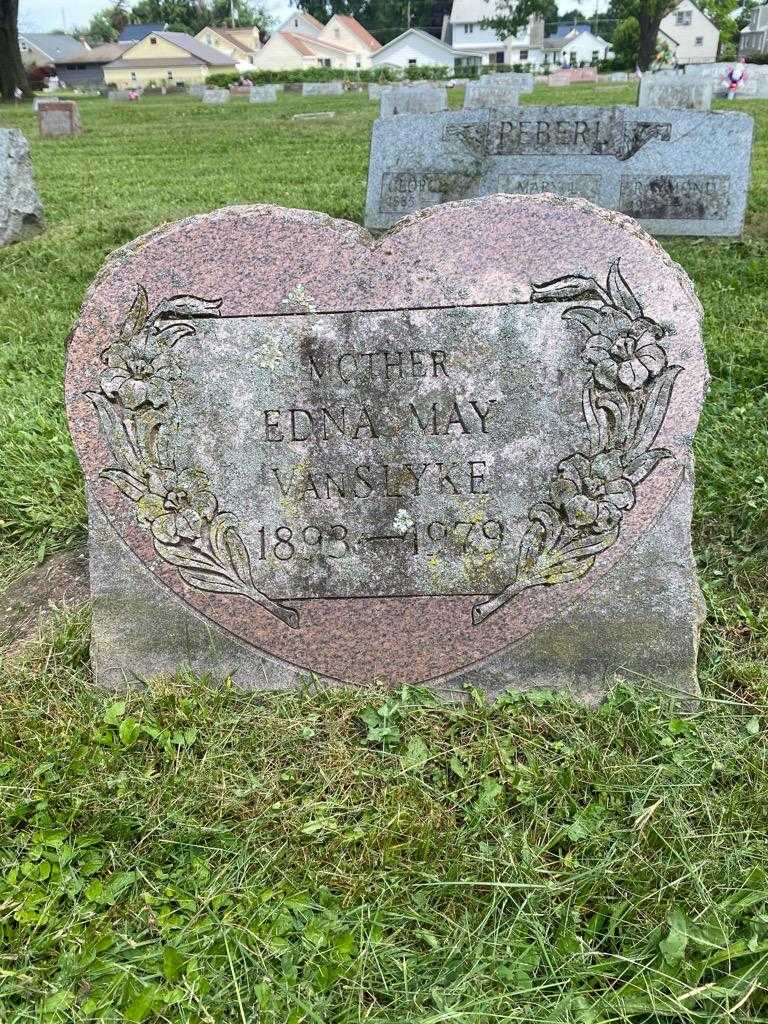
column 195, row 854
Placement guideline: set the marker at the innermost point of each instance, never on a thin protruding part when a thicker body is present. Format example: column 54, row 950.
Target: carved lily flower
column 592, row 492
column 623, row 350
column 140, row 372
column 176, row 504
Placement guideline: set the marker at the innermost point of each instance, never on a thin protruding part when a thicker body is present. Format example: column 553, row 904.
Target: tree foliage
column 179, row 15
column 626, row 41
column 512, row 15
column 385, row 19
column 648, row 14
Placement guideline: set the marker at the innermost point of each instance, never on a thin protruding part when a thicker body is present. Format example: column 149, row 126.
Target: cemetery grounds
column 196, row 854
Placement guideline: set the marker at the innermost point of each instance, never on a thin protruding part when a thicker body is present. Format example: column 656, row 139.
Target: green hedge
column 225, row 79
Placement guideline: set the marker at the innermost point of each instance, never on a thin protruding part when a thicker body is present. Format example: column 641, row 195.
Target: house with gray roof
column 45, row 49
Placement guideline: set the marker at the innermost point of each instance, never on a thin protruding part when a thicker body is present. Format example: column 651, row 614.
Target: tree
column 649, row 14
column 626, row 41
column 512, row 15
column 106, row 25
column 191, row 16
column 12, row 74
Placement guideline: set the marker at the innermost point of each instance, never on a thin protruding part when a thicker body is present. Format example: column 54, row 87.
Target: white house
column 753, row 38
column 697, row 37
column 415, row 48
column 465, row 34
column 577, row 47
column 304, row 42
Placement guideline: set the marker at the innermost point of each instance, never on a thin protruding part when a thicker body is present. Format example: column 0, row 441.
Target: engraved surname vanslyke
column 624, row 401
column 138, row 414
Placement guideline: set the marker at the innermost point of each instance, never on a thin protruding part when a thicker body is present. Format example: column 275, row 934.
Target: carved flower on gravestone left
column 141, row 371
column 176, row 504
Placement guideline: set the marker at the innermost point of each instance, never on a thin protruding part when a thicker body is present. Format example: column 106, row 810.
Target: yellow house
column 303, row 42
column 289, row 51
column 241, row 44
column 349, row 33
column 166, row 58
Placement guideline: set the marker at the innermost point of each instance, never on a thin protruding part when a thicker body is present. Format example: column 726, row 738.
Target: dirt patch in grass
column 30, row 602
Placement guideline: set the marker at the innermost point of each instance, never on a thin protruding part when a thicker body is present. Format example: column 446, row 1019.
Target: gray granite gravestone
column 411, row 99
column 333, row 88
column 197, row 90
column 674, row 94
column 522, row 81
column 264, row 94
column 457, row 455
column 216, row 96
column 754, row 87
column 478, row 95
column 678, row 172
column 118, row 95
column 21, row 212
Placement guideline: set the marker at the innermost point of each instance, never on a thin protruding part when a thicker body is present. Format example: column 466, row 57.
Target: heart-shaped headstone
column 464, row 446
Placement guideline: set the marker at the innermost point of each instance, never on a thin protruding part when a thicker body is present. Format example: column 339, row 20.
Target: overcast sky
column 53, row 15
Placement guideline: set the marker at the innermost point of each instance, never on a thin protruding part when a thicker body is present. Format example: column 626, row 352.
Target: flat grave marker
column 678, row 172
column 216, row 96
column 421, row 459
column 315, row 115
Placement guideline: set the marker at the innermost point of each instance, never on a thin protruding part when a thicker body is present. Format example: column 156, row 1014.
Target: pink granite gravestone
column 58, row 119
column 460, row 453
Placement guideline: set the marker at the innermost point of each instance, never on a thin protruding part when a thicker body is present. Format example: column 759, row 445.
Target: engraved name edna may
column 400, row 399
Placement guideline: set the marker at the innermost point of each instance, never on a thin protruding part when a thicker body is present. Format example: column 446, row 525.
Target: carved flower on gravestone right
column 623, row 351
column 593, row 492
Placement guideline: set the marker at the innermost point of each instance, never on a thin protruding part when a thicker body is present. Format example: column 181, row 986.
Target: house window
column 574, row 57
column 209, row 38
column 358, row 63
column 595, row 56
column 23, row 46
column 523, row 55
column 337, row 33
column 411, row 62
column 324, row 62
column 682, row 17
column 133, row 76
column 468, row 30
column 699, row 41
column 152, row 41
column 295, row 22
column 169, row 75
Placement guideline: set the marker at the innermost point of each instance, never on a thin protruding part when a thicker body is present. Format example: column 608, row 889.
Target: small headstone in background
column 197, row 90
column 679, row 172
column 216, row 96
column 479, row 94
column 21, row 212
column 119, row 95
column 240, row 90
column 57, row 119
column 567, row 76
column 431, row 475
column 263, row 94
column 413, row 100
column 316, row 115
column 520, row 80
column 332, row 88
column 619, row 76
column 43, row 99
column 293, row 87
column 675, row 95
